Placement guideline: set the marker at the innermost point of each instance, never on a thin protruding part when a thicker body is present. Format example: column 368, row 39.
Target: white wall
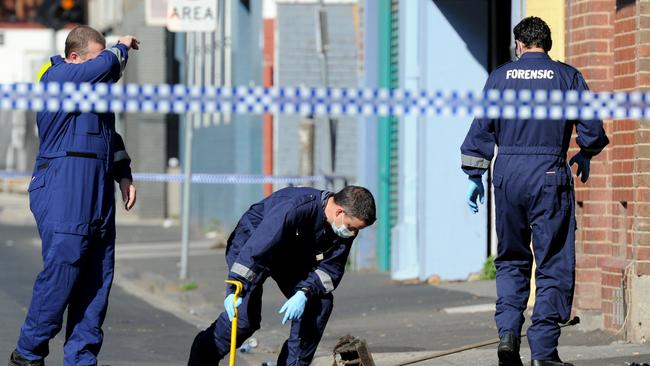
column 103, row 14
column 25, row 51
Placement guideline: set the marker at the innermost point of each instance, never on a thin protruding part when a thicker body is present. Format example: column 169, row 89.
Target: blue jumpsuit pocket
column 557, row 193
column 497, row 180
column 68, row 245
column 37, row 200
column 36, row 183
column 87, row 127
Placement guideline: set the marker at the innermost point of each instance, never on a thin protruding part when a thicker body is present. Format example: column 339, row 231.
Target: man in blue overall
column 72, row 198
column 301, row 237
column 533, row 189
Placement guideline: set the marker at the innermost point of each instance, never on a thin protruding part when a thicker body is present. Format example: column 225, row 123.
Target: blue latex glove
column 294, row 307
column 583, row 166
column 229, row 306
column 475, row 189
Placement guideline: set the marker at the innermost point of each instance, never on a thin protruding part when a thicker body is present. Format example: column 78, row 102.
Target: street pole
column 187, row 161
column 322, row 40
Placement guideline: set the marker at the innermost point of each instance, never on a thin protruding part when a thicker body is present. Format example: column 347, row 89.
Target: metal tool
column 233, row 333
column 574, row 321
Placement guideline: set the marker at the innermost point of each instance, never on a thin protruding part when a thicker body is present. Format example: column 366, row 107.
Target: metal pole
column 187, row 162
column 322, row 40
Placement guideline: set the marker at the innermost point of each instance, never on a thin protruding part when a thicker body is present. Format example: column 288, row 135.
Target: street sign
column 192, row 15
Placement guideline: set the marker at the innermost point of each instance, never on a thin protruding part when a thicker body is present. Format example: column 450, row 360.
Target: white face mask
column 342, row 231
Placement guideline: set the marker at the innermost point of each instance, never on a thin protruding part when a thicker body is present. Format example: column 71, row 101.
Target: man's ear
column 74, row 57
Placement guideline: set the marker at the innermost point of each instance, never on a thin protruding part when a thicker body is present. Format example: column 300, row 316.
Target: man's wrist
column 585, row 154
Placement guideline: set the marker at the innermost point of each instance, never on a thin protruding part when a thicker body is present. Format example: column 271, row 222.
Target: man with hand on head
column 301, row 237
column 72, row 197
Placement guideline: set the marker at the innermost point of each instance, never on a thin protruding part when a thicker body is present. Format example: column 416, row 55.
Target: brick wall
column 605, row 40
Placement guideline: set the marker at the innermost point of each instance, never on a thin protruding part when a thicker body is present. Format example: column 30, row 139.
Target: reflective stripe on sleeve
column 474, row 162
column 326, row 280
column 121, row 155
column 116, row 51
column 243, row 271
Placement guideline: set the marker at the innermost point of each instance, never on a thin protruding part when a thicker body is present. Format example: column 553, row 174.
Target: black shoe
column 16, row 359
column 549, row 363
column 508, row 350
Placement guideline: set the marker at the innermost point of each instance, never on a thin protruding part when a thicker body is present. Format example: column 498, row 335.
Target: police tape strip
column 208, row 178
column 520, row 104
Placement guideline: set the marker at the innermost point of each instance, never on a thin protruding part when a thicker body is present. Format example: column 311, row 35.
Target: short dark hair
column 78, row 38
column 357, row 202
column 533, row 32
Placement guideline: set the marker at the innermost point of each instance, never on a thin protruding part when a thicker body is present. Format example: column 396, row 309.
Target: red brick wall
column 609, row 42
column 589, row 47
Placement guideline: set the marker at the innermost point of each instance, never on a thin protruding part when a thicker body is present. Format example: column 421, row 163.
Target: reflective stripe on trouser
column 213, row 343
column 78, row 259
column 534, row 198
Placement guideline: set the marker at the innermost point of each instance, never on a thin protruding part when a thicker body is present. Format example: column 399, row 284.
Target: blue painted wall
column 364, row 250
column 453, row 240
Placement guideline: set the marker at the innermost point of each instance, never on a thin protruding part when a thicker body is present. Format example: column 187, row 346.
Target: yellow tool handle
column 233, row 333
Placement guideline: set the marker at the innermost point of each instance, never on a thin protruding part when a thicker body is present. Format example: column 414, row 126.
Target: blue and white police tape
column 521, row 104
column 208, row 178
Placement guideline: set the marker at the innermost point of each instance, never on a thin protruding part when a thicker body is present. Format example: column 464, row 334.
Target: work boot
column 16, row 359
column 549, row 363
column 508, row 350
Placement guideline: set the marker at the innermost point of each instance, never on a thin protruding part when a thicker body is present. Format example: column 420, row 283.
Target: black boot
column 204, row 351
column 16, row 359
column 549, row 363
column 508, row 350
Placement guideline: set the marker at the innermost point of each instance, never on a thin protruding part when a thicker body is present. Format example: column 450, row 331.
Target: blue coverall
column 72, row 198
column 286, row 237
column 533, row 189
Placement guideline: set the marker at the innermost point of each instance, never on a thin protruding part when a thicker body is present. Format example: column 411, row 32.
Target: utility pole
column 322, row 40
column 187, row 158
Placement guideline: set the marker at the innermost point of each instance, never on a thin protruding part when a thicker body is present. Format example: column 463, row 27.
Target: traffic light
column 57, row 14
column 67, row 4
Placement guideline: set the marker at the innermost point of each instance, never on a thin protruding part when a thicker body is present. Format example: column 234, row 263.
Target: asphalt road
column 136, row 334
column 393, row 318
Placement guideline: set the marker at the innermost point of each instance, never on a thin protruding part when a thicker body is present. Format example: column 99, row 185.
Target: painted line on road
column 163, row 250
column 129, row 247
column 175, row 254
column 470, row 309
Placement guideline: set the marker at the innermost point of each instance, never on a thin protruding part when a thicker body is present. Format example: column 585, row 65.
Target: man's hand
column 230, row 305
column 128, row 193
column 294, row 307
column 130, row 41
column 475, row 190
column 583, row 166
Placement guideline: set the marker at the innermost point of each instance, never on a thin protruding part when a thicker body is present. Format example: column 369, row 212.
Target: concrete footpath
column 398, row 321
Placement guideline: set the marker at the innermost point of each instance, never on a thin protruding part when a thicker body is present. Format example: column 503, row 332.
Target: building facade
column 423, row 221
column 609, row 41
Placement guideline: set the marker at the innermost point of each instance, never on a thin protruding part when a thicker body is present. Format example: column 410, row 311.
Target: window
column 19, row 11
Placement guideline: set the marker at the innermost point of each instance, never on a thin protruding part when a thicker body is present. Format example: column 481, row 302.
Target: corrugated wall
column 298, row 63
column 145, row 134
